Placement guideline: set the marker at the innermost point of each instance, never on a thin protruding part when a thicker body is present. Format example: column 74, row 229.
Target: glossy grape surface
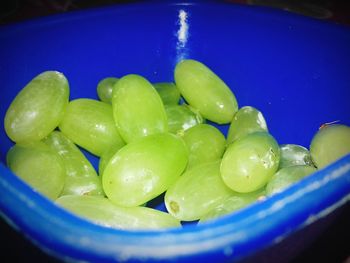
column 288, row 176
column 144, row 169
column 90, row 124
column 101, row 211
column 293, row 154
column 329, row 144
column 246, row 120
column 39, row 166
column 105, row 88
column 81, row 177
column 137, row 108
column 168, row 92
column 38, row 108
column 249, row 163
column 196, row 192
column 205, row 91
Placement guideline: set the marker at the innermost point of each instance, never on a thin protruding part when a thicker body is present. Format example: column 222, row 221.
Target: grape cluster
column 154, row 139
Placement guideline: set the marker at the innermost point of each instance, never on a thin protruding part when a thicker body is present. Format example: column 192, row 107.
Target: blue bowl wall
column 294, row 69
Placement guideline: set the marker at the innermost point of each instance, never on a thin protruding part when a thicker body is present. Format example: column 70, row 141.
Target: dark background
column 333, row 241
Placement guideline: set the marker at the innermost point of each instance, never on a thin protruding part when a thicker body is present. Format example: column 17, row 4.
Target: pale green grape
column 144, row 169
column 40, row 167
column 233, row 203
column 287, row 176
column 205, row 144
column 182, row 117
column 168, row 92
column 205, row 91
column 81, row 177
column 249, row 163
column 106, row 156
column 90, row 124
column 246, row 120
column 101, row 211
column 38, row 107
column 293, row 154
column 105, row 88
column 137, row 108
column 329, row 144
column 196, row 192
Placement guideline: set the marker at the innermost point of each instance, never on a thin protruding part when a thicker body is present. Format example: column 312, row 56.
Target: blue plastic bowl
column 296, row 70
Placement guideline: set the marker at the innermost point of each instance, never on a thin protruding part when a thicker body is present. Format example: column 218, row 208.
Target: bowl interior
column 295, row 70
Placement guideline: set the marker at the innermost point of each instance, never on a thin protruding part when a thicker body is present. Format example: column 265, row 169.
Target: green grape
column 205, row 91
column 38, row 108
column 106, row 156
column 182, row 117
column 233, row 203
column 144, row 169
column 246, row 120
column 293, row 154
column 329, row 144
column 90, row 124
column 196, row 192
column 103, row 212
column 168, row 92
column 205, row 143
column 40, row 167
column 287, row 176
column 249, row 162
column 81, row 177
column 137, row 108
column 105, row 88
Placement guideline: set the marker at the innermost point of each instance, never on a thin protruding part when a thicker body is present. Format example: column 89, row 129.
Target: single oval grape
column 329, row 144
column 144, row 169
column 90, row 124
column 249, row 163
column 81, row 177
column 286, row 177
column 196, row 192
column 40, row 167
column 168, row 92
column 246, row 120
column 205, row 143
column 182, row 117
column 103, row 212
column 137, row 108
column 233, row 203
column 293, row 154
column 105, row 88
column 38, row 108
column 205, row 91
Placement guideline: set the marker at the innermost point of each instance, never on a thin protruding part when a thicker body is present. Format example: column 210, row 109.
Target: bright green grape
column 249, row 163
column 196, row 192
column 144, row 169
column 137, row 108
column 168, row 92
column 205, row 144
column 38, row 107
column 182, row 117
column 81, row 177
column 90, row 124
column 101, row 211
column 40, row 167
column 293, row 154
column 205, row 91
column 286, row 177
column 106, row 156
column 246, row 120
column 233, row 203
column 329, row 144
column 105, row 88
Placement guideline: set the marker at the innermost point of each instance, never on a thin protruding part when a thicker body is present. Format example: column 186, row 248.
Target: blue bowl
column 296, row 70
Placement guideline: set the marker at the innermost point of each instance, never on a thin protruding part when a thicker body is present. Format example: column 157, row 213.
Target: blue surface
column 294, row 69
